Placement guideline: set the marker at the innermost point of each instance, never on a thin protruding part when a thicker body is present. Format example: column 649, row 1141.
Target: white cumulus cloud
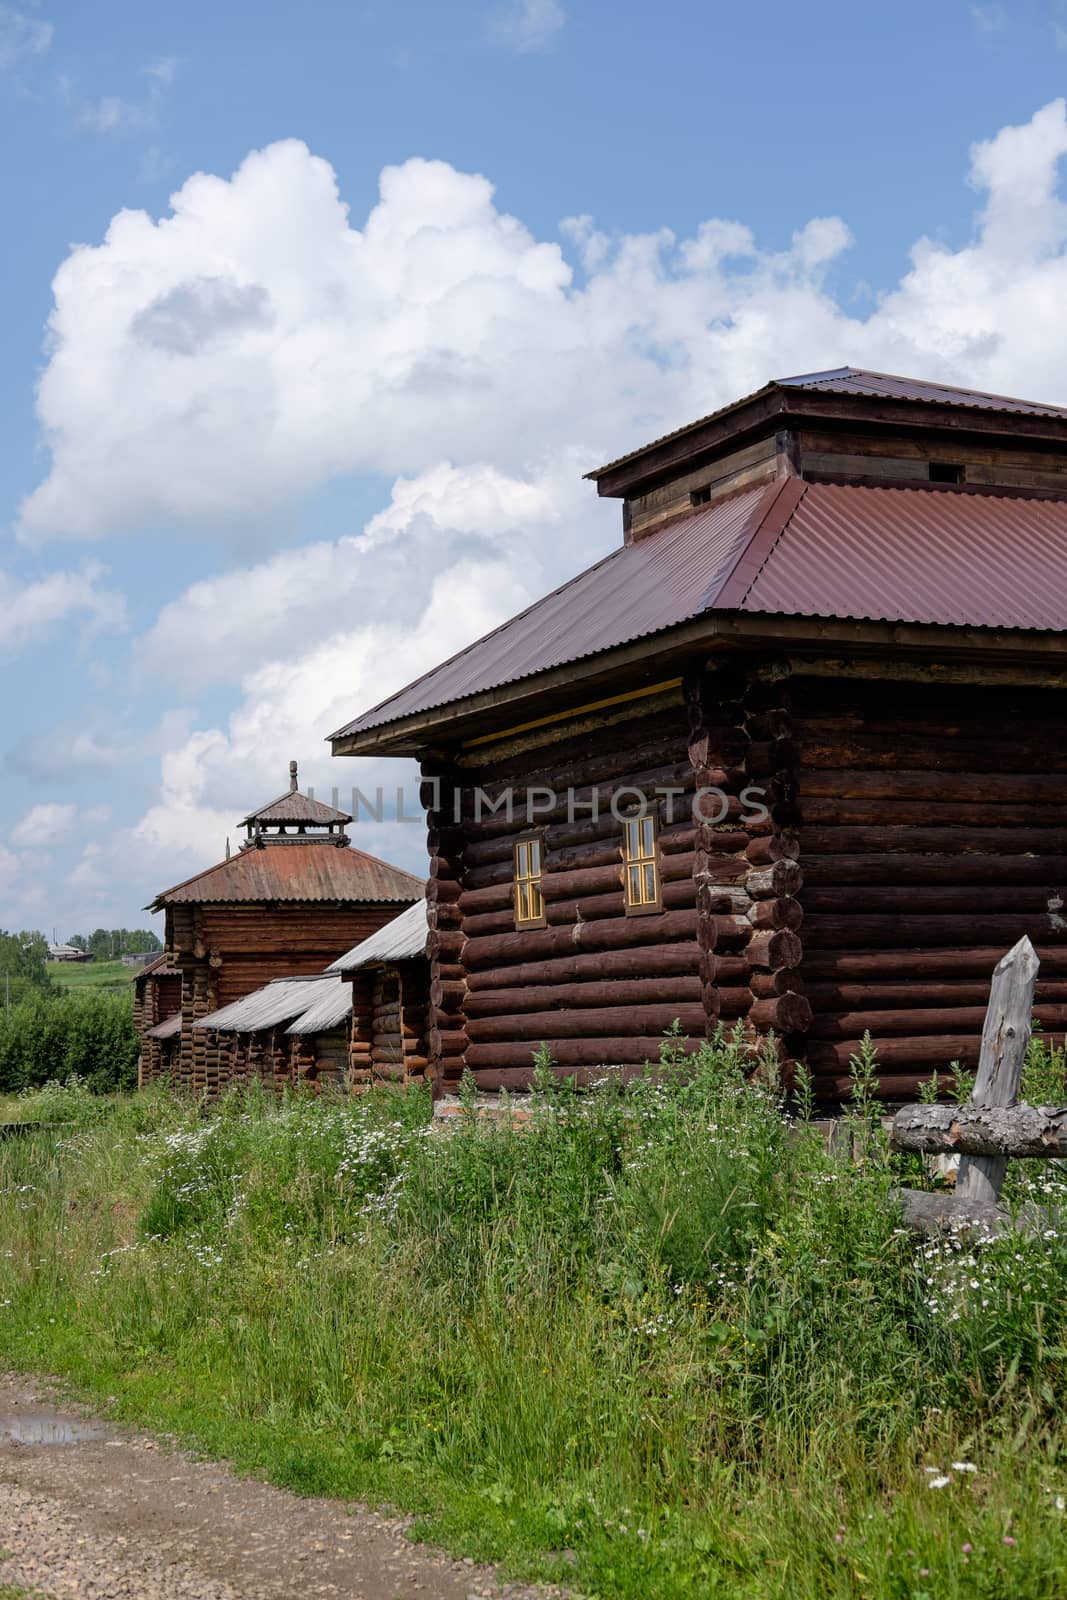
column 31, row 610
column 42, row 825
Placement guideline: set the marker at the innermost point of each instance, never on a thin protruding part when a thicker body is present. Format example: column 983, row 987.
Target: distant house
column 68, row 952
column 281, row 907
column 142, row 958
column 790, row 758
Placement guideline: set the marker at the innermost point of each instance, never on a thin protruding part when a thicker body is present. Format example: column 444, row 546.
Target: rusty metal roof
column 331, row 1005
column 855, row 381
column 400, row 940
column 167, row 1029
column 919, row 555
column 292, row 806
column 308, row 870
column 637, row 589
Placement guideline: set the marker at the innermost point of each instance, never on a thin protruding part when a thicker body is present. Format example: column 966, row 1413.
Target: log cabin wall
column 933, row 836
column 596, row 985
column 227, row 951
column 156, row 997
column 388, row 1038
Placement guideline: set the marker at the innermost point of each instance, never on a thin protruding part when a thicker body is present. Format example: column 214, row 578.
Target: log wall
column 156, row 997
column 227, row 951
column 390, row 1019
column 934, row 835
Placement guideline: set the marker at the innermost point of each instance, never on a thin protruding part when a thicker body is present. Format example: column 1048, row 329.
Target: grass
column 650, row 1346
column 77, row 976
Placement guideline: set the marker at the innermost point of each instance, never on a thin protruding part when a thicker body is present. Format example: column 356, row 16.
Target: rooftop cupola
column 294, row 818
column 846, row 426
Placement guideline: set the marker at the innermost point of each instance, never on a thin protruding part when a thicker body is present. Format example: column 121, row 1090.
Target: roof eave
column 444, row 727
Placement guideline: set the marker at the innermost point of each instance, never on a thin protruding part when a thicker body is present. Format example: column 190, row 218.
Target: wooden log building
column 836, row 616
column 292, row 896
column 294, row 1030
column 157, row 1008
column 389, row 977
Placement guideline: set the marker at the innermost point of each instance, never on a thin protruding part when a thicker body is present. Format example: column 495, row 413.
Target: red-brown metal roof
column 856, row 381
column 302, row 870
column 919, row 555
column 638, row 589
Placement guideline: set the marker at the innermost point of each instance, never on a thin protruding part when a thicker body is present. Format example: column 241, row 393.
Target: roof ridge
column 780, row 502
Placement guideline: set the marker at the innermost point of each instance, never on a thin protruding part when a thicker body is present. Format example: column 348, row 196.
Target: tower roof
column 294, row 807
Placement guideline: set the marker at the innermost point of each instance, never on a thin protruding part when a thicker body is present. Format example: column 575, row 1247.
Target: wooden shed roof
column 403, row 939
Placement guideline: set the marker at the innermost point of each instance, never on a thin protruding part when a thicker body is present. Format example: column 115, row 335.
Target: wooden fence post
column 1005, row 1036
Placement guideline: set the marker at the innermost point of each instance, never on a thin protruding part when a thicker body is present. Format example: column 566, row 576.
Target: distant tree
column 137, row 940
column 78, row 941
column 110, row 943
column 23, row 964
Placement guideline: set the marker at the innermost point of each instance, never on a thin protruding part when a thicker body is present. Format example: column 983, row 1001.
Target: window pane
column 521, row 902
column 650, row 885
column 520, row 860
column 534, row 848
column 646, row 836
column 536, row 903
column 633, row 885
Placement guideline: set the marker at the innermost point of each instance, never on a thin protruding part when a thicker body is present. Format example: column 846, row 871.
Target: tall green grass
column 653, row 1344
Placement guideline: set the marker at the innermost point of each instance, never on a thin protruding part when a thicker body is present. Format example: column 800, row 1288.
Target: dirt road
column 94, row 1510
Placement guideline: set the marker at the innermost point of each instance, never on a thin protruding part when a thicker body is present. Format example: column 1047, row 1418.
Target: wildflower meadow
column 655, row 1343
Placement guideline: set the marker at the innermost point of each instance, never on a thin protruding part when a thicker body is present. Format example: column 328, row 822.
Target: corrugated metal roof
column 304, row 870
column 295, row 807
column 860, row 381
column 886, row 386
column 638, row 589
column 167, row 1029
column 400, row 940
column 331, row 1005
column 278, row 1001
column 918, row 555
column 921, row 555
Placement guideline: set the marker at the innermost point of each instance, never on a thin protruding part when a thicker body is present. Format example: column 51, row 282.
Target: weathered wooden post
column 1005, row 1037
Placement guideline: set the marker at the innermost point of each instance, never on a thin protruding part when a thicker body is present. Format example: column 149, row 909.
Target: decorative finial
column 227, row 847
column 292, row 777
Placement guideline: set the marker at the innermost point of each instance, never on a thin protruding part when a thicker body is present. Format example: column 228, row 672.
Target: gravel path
column 99, row 1511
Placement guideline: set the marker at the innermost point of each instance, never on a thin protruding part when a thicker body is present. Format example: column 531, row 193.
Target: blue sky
column 277, row 437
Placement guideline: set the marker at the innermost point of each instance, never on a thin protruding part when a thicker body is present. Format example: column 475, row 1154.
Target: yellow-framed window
column 641, row 864
column 529, row 902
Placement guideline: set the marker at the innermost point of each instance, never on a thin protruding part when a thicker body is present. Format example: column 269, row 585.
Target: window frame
column 528, row 880
column 641, row 862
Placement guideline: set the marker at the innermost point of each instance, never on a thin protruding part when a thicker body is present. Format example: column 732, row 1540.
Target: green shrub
column 50, row 1037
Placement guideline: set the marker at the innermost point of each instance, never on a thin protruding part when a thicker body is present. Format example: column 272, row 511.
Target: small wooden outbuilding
column 389, row 976
column 293, row 1030
column 793, row 756
column 292, row 896
column 157, row 1016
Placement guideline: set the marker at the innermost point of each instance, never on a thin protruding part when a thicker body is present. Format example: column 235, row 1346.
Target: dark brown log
column 500, row 950
column 601, row 1053
column 831, row 932
column 920, row 994
column 976, row 1130
column 830, row 1057
column 956, row 870
column 447, row 996
column 517, row 1079
column 972, row 788
column 780, row 878
column 895, row 964
column 945, row 1019
column 777, row 914
column 765, row 985
column 640, row 962
column 774, row 949
column 923, row 900
column 786, row 1013
column 594, row 1022
column 556, row 996
column 951, row 840
column 862, row 811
